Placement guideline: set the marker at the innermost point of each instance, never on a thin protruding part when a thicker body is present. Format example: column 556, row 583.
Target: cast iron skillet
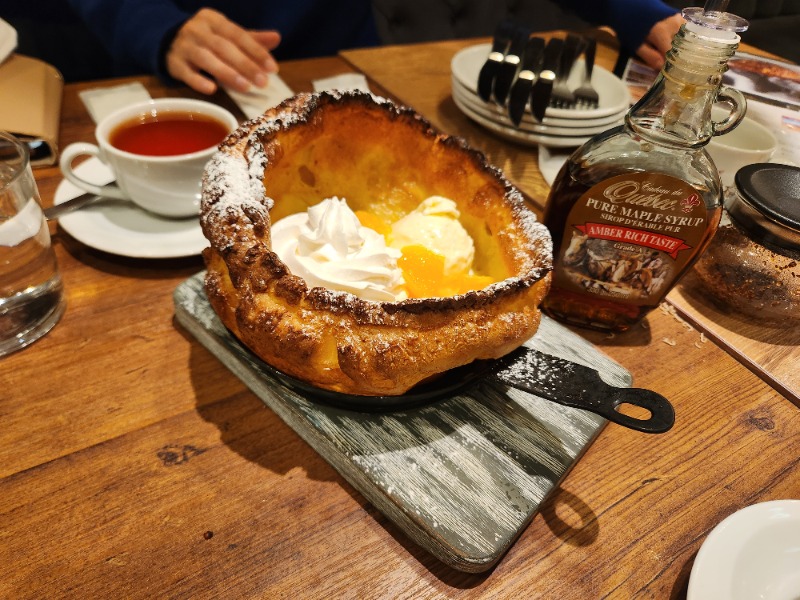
column 541, row 374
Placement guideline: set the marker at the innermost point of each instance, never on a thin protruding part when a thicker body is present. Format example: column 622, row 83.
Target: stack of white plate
column 561, row 127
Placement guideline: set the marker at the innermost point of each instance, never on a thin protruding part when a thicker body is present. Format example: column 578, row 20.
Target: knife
column 508, row 69
column 532, row 61
column 502, row 37
column 540, row 94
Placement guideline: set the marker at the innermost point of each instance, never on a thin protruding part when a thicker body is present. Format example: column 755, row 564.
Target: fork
column 585, row 95
column 562, row 96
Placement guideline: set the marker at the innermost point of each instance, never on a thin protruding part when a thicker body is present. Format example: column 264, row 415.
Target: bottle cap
column 767, row 203
column 713, row 21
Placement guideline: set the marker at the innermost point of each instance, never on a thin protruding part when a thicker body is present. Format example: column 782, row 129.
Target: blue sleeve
column 630, row 19
column 133, row 31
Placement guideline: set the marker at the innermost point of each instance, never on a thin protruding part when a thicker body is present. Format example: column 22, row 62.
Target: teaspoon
column 54, row 212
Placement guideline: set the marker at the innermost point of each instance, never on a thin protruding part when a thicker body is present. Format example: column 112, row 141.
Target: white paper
column 258, row 100
column 344, row 82
column 101, row 102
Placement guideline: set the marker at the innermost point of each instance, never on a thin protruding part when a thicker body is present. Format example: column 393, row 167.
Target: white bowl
column 753, row 554
column 749, row 143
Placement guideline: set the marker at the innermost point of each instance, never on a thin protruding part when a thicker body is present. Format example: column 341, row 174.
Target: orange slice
column 373, row 222
column 423, row 271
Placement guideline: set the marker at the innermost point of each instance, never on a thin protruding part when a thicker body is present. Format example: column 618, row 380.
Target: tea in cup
column 157, row 151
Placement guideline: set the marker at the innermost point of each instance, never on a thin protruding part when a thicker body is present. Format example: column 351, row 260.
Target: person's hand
column 659, row 40
column 210, row 44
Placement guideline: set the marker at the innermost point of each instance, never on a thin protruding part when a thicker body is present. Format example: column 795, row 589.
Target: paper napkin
column 257, row 100
column 346, row 81
column 103, row 101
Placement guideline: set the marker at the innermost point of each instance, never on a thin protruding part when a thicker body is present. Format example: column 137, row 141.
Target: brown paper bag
column 30, row 105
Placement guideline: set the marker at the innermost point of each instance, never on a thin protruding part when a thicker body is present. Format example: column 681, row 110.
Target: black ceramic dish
column 529, row 370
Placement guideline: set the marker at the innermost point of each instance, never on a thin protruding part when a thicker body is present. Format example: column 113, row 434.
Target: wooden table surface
column 134, row 465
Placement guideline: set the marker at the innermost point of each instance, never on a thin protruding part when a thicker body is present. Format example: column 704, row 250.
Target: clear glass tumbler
column 31, row 293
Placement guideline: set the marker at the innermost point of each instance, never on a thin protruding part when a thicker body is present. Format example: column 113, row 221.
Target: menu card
column 30, row 105
column 764, row 79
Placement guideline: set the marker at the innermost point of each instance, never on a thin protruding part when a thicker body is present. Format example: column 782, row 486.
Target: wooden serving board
column 772, row 353
column 462, row 476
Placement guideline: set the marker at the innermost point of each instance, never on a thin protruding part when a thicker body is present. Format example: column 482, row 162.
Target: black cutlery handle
column 570, row 52
column 530, row 67
column 488, row 72
column 540, row 94
column 588, row 57
column 502, row 36
column 533, row 57
column 552, row 56
column 511, row 64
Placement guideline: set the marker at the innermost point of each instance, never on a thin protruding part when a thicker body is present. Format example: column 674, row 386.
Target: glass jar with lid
column 752, row 265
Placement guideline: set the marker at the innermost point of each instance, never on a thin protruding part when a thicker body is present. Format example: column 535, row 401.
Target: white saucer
column 528, row 119
column 754, row 553
column 513, row 134
column 614, row 96
column 496, row 113
column 122, row 228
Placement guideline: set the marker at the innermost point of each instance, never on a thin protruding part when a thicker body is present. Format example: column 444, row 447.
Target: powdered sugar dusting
column 231, row 187
column 535, row 232
column 230, row 182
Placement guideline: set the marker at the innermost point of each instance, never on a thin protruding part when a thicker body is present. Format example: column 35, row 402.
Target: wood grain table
column 134, row 465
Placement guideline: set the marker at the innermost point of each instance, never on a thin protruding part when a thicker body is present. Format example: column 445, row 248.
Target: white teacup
column 167, row 185
column 749, row 143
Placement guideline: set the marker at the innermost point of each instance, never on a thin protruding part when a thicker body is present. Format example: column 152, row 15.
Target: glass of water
column 31, row 294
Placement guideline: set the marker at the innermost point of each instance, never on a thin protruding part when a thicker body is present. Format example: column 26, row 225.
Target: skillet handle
column 662, row 415
column 576, row 385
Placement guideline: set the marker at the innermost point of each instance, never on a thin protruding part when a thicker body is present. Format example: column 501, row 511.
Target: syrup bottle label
column 629, row 236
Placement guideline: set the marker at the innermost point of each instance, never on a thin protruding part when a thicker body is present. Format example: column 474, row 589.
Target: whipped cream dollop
column 328, row 247
column 435, row 224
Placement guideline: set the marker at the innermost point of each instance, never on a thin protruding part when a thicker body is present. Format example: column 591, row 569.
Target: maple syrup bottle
column 635, row 206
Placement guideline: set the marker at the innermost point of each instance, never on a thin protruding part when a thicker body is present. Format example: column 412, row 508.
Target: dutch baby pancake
column 358, row 250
